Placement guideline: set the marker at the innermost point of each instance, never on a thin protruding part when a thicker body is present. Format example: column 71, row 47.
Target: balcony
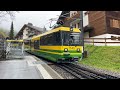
column 31, row 34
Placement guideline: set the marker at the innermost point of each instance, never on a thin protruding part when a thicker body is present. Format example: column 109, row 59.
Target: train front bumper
column 70, row 57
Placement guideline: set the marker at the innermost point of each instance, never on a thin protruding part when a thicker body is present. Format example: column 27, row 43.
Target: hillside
column 6, row 32
column 104, row 57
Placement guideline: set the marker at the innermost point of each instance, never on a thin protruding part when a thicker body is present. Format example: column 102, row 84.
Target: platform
column 30, row 67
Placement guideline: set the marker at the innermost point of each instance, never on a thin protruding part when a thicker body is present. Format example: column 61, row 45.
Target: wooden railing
column 102, row 41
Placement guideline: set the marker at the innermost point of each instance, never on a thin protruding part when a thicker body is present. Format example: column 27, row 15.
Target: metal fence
column 14, row 51
column 2, row 47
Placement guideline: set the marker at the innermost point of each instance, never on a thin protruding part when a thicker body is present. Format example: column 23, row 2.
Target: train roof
column 55, row 30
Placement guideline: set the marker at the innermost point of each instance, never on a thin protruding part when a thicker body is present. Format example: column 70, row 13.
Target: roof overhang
column 75, row 21
column 88, row 28
column 63, row 15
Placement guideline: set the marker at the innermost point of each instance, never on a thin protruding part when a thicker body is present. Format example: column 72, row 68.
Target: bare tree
column 3, row 15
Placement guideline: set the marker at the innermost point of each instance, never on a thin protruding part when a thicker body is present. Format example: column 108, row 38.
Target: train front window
column 71, row 39
column 74, row 39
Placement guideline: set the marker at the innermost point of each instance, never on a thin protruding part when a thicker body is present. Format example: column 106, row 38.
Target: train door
column 36, row 44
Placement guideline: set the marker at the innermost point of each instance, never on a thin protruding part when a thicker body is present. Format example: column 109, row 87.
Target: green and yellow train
column 60, row 45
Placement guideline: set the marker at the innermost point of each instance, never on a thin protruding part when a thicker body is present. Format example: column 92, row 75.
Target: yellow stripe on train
column 61, row 47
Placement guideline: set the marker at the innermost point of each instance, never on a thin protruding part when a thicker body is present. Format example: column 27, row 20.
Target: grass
column 104, row 57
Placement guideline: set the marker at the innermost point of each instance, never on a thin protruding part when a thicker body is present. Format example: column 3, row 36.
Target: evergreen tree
column 11, row 34
column 44, row 29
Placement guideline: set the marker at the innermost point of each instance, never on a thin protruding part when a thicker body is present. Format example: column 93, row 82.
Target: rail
column 85, row 73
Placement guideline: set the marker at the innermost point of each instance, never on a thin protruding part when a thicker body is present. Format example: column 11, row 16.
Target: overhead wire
column 55, row 19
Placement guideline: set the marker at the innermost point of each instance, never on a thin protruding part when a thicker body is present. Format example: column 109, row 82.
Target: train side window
column 51, row 39
column 32, row 44
column 57, row 38
column 36, row 44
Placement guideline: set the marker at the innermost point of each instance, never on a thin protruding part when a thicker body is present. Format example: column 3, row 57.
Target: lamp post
column 82, row 31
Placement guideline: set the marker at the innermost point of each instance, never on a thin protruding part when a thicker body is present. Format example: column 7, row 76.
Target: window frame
column 114, row 23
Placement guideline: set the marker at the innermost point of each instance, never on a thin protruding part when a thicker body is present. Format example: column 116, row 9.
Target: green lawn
column 105, row 57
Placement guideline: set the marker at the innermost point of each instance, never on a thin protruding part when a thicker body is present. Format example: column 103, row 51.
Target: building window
column 114, row 23
column 73, row 13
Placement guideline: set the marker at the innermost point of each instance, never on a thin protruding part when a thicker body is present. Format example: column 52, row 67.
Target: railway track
column 84, row 73
column 81, row 72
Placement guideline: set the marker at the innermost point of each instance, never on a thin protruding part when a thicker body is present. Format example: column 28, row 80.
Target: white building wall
column 85, row 19
column 25, row 32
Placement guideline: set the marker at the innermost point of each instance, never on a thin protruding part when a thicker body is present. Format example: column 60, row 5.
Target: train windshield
column 71, row 38
column 74, row 39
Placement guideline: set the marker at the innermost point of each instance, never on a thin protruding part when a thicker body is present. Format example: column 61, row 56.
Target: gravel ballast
column 116, row 74
column 62, row 72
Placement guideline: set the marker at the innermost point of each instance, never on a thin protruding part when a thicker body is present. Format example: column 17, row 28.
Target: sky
column 37, row 18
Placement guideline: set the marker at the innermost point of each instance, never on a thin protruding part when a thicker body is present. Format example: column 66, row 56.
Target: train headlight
column 71, row 28
column 65, row 50
column 78, row 50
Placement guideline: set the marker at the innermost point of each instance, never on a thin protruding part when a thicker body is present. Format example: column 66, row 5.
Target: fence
column 103, row 41
column 2, row 47
column 14, row 50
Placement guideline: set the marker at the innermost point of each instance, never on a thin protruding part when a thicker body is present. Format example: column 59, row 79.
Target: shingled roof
column 34, row 27
column 30, row 25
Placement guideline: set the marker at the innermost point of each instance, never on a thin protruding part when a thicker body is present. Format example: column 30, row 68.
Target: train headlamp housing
column 78, row 50
column 71, row 28
column 65, row 50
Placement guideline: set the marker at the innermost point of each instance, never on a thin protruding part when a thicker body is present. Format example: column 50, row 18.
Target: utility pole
column 82, row 31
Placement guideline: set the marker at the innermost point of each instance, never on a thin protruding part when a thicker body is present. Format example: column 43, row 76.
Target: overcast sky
column 37, row 18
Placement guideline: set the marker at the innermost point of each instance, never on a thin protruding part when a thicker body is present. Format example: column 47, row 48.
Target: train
column 60, row 45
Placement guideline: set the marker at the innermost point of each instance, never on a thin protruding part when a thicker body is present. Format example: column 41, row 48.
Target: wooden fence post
column 93, row 41
column 105, row 41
